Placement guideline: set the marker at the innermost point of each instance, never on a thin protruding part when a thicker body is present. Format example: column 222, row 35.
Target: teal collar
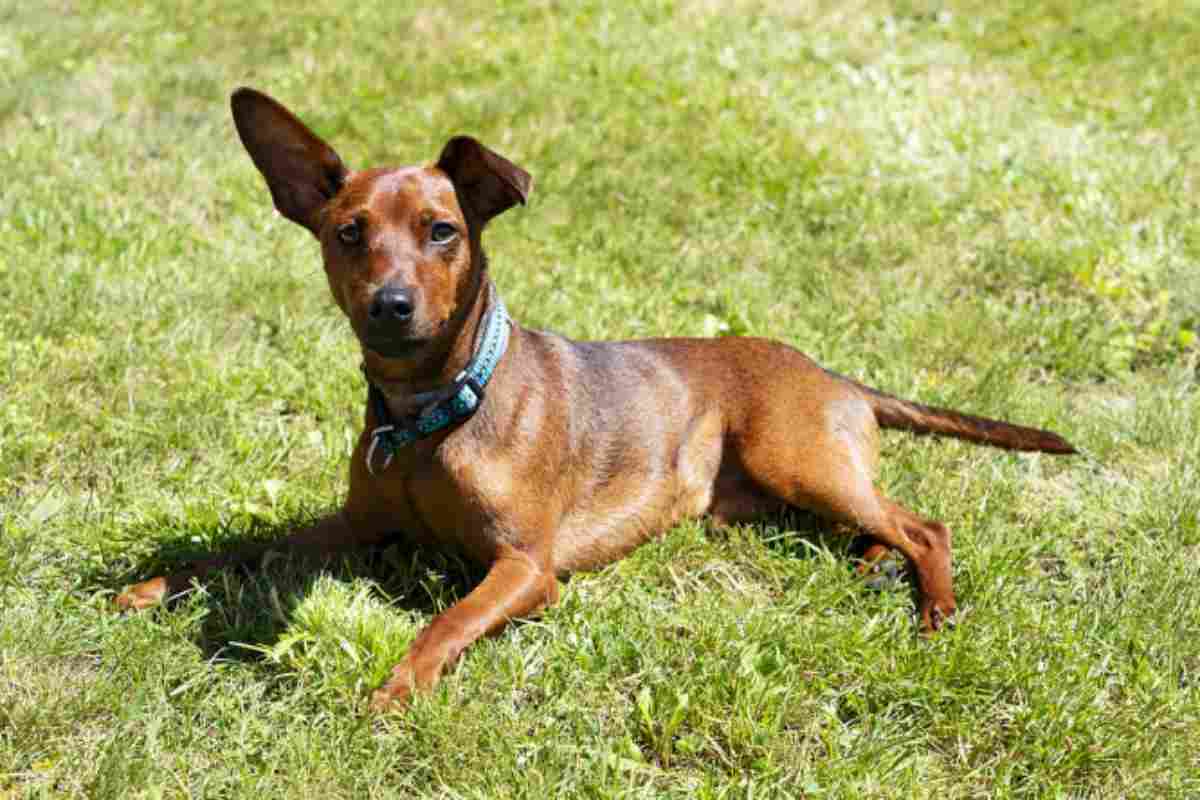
column 448, row 405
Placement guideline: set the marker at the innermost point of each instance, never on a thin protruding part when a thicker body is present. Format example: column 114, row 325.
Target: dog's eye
column 350, row 233
column 442, row 232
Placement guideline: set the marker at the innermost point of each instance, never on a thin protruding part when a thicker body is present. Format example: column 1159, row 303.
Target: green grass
column 986, row 205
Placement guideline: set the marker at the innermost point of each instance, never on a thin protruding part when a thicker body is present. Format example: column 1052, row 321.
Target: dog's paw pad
column 884, row 575
column 938, row 618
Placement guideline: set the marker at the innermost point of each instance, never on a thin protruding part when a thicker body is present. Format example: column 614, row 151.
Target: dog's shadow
column 248, row 607
column 802, row 535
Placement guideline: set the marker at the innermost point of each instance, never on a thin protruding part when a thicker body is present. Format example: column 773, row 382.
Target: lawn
column 985, row 205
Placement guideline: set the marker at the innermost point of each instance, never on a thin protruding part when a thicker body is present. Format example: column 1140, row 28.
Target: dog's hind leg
column 831, row 471
column 925, row 543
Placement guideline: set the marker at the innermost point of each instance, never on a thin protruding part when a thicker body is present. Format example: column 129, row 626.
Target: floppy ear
column 302, row 172
column 486, row 183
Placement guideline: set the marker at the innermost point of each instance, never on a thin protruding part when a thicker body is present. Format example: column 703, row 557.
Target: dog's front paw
column 393, row 695
column 142, row 595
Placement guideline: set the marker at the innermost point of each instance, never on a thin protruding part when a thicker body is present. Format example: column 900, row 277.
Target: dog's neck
column 400, row 384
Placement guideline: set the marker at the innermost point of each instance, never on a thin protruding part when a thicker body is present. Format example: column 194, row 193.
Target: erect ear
column 486, row 183
column 302, row 172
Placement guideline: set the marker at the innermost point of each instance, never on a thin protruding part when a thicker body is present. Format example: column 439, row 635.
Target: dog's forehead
column 395, row 191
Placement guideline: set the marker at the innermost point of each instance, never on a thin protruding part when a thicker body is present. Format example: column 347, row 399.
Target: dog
column 538, row 456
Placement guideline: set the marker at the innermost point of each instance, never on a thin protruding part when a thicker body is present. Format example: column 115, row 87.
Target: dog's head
column 400, row 245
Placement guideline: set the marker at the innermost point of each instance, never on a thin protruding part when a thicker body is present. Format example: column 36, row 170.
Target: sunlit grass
column 985, row 205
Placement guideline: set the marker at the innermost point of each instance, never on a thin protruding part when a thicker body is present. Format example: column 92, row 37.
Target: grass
column 986, row 205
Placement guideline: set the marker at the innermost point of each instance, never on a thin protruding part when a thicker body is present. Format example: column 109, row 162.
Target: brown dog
column 539, row 456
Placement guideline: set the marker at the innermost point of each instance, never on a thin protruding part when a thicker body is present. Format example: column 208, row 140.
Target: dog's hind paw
column 936, row 616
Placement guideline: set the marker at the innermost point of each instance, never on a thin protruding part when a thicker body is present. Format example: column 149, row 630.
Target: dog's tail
column 892, row 412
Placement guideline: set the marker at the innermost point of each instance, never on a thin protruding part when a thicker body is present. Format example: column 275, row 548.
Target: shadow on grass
column 250, row 605
column 803, row 535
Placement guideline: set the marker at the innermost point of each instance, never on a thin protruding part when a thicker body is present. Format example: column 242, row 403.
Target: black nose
column 391, row 304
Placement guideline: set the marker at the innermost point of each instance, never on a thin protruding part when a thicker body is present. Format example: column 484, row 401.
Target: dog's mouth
column 395, row 346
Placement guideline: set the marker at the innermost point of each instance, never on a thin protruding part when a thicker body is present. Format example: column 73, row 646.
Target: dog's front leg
column 362, row 521
column 516, row 585
column 340, row 531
